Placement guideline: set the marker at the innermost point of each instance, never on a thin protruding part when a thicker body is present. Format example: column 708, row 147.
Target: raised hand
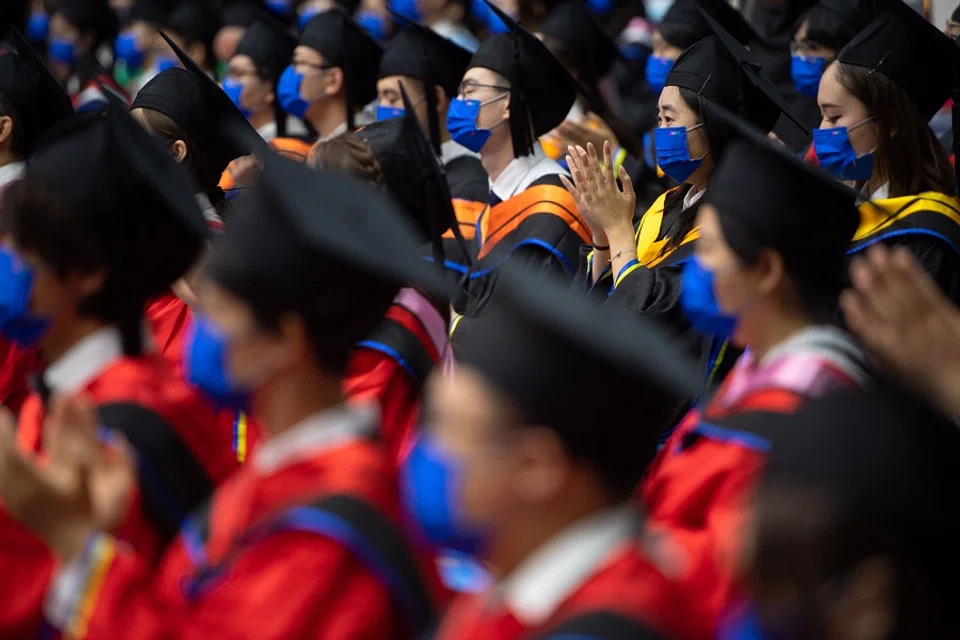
column 906, row 323
column 611, row 208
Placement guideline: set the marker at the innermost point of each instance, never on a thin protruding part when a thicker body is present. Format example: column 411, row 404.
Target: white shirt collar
column 268, row 131
column 209, row 211
column 450, row 151
column 523, row 172
column 537, row 588
column 342, row 128
column 84, row 361
column 692, row 198
column 10, row 172
column 882, row 193
column 317, row 433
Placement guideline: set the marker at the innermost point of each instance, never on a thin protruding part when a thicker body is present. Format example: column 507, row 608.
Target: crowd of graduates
column 479, row 319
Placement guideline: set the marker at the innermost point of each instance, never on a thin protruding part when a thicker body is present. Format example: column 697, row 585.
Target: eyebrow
column 827, row 105
column 669, row 107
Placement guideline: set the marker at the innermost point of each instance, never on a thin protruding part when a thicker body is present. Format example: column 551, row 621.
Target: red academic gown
column 393, row 364
column 254, row 564
column 697, row 490
column 179, row 441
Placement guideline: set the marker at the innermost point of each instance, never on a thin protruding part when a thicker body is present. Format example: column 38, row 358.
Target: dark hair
column 348, row 154
column 908, row 153
column 42, row 221
column 18, row 143
column 830, row 29
column 718, row 136
column 679, row 35
column 162, row 126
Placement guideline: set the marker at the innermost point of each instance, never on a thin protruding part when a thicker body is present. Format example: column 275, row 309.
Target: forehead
column 670, row 97
column 831, row 91
column 393, row 82
column 242, row 62
column 801, row 31
column 482, row 75
column 306, row 54
column 465, row 397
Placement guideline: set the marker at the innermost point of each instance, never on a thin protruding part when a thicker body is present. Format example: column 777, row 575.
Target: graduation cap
column 766, row 197
column 955, row 16
column 194, row 101
column 344, row 43
column 195, row 21
column 688, row 17
column 139, row 201
column 153, row 12
column 38, row 97
column 419, row 52
column 240, row 13
column 886, row 466
column 722, row 70
column 542, row 90
column 550, row 350
column 413, row 173
column 270, row 45
column 573, row 25
column 90, row 15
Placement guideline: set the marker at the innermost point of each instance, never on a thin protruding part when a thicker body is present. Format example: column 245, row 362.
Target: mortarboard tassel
column 519, row 118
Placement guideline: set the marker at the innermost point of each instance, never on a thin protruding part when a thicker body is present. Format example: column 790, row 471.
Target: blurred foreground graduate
column 515, row 91
column 430, row 68
column 855, row 534
column 877, row 97
column 101, row 222
column 520, row 469
column 304, row 542
column 333, row 74
column 768, row 267
column 32, row 102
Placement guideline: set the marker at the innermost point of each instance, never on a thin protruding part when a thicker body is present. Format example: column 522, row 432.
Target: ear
column 199, row 54
column 770, row 271
column 178, row 149
column 335, row 85
column 868, row 605
column 270, row 98
column 545, row 465
column 294, row 343
column 6, row 130
column 90, row 283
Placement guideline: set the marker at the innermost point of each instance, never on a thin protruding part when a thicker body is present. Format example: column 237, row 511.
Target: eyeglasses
column 469, row 86
column 299, row 64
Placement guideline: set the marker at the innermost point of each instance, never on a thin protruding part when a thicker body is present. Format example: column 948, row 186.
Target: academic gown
column 531, row 220
column 392, row 365
column 597, row 575
column 470, row 190
column 927, row 224
column 697, row 488
column 262, row 560
column 182, row 452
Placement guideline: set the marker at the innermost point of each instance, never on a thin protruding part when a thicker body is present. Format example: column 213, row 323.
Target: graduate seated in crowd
column 852, row 538
column 332, row 75
column 135, row 47
column 876, row 99
column 31, row 103
column 524, row 466
column 103, row 221
column 193, row 26
column 306, row 540
column 768, row 267
column 515, row 91
column 78, row 29
column 420, row 59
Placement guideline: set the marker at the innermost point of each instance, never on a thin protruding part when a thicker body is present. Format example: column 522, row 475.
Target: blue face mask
column 430, row 482
column 63, row 51
column 37, row 26
column 388, row 113
column 699, row 301
column 487, row 17
column 374, row 24
column 129, row 50
column 166, row 63
column 16, row 284
column 406, row 8
column 462, row 123
column 305, row 17
column 673, row 152
column 806, row 73
column 837, row 156
column 205, row 366
column 288, row 92
column 279, row 7
column 234, row 89
column 600, row 7
column 657, row 71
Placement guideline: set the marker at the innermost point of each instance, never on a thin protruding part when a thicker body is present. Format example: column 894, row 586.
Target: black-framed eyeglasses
column 468, row 86
column 313, row 66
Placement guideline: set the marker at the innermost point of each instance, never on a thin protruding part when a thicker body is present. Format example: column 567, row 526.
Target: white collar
column 524, row 171
column 537, row 588
column 451, row 150
column 882, row 193
column 314, row 434
column 692, row 198
column 84, row 361
column 209, row 211
column 341, row 128
column 10, row 172
column 268, row 131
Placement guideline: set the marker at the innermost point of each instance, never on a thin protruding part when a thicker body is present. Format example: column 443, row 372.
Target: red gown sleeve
column 16, row 365
column 266, row 584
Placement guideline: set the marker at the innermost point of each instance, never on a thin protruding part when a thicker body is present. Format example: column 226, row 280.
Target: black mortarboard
column 419, row 52
column 766, row 197
column 194, row 21
column 240, row 13
column 90, row 15
column 549, row 350
column 573, row 25
column 413, row 173
column 887, row 465
column 955, row 16
column 270, row 45
column 542, row 90
column 344, row 43
column 904, row 47
column 722, row 70
column 154, row 12
column 139, row 201
column 36, row 94
column 686, row 15
column 194, row 101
